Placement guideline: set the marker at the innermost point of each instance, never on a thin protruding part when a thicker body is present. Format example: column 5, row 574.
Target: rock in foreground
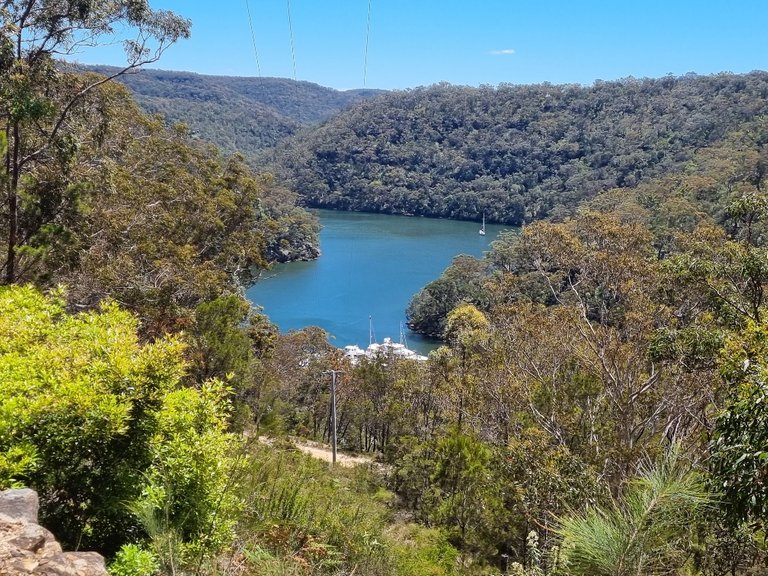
column 28, row 548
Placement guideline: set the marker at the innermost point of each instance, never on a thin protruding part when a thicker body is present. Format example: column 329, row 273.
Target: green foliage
column 382, row 399
column 488, row 498
column 306, row 519
column 730, row 273
column 467, row 500
column 93, row 420
column 292, row 233
column 460, row 282
column 202, row 236
column 221, row 343
column 740, row 444
column 15, row 463
column 82, row 393
column 132, row 560
column 539, row 480
column 650, row 531
column 188, row 485
column 465, row 325
column 42, row 107
column 423, row 551
column 451, row 484
column 296, row 396
column 229, row 340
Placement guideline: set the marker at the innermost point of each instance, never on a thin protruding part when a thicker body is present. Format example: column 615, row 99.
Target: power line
column 253, row 38
column 367, row 37
column 290, row 32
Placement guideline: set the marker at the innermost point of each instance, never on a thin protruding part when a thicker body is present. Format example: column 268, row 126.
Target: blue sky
column 469, row 42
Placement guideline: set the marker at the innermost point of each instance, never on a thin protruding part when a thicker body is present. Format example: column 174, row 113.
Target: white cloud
column 504, row 52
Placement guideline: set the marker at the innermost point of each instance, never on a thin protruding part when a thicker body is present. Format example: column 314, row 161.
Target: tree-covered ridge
column 513, row 153
column 721, row 186
column 237, row 114
column 147, row 215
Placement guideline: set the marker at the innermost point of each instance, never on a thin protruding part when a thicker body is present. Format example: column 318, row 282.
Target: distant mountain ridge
column 238, row 114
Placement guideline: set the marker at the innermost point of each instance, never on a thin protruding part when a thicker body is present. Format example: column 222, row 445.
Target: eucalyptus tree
column 39, row 101
column 739, row 456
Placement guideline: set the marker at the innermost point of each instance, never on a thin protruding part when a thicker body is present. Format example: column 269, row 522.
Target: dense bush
column 94, row 420
column 513, row 153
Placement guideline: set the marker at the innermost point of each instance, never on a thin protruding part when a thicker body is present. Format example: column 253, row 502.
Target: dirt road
column 324, row 452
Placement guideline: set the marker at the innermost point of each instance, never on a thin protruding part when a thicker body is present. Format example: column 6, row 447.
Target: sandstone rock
column 57, row 565
column 87, row 563
column 24, row 565
column 21, row 503
column 31, row 537
column 29, row 549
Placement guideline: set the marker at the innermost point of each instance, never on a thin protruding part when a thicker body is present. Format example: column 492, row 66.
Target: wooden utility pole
column 333, row 410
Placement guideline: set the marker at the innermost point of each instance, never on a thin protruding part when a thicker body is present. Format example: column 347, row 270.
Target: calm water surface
column 371, row 266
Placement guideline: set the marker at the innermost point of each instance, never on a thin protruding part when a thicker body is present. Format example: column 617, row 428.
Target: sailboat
column 482, row 230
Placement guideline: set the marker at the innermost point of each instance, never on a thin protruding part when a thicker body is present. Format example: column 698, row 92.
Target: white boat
column 482, row 230
column 354, row 353
column 376, row 350
column 386, row 348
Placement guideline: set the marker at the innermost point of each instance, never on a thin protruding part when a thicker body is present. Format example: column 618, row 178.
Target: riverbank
column 371, row 266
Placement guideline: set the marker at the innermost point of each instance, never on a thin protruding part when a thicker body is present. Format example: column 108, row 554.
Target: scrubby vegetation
column 598, row 405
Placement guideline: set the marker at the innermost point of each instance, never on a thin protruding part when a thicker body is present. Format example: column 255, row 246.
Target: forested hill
column 514, row 153
column 238, row 114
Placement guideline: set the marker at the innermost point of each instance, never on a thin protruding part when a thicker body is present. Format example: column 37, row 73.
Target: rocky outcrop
column 28, row 548
column 281, row 252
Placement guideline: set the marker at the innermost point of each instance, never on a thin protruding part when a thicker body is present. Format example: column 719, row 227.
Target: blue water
column 371, row 266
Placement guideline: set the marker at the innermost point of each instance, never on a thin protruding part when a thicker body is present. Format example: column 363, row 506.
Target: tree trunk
column 12, row 170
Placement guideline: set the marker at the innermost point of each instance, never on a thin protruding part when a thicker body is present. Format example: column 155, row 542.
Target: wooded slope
column 238, row 114
column 515, row 153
